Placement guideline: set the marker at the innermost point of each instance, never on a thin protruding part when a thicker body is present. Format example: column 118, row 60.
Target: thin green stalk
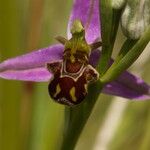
column 115, row 25
column 128, row 44
column 106, row 15
column 77, row 117
column 109, row 27
column 128, row 59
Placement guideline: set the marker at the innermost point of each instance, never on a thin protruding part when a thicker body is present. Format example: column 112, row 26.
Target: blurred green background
column 29, row 120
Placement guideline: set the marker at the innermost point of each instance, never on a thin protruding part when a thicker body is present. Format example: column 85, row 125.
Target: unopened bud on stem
column 135, row 18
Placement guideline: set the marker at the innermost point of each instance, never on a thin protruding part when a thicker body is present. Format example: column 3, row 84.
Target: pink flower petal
column 125, row 90
column 35, row 75
column 88, row 12
column 34, row 59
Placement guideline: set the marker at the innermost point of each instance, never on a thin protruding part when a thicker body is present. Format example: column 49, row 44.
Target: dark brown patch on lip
column 61, row 86
column 66, row 84
column 73, row 67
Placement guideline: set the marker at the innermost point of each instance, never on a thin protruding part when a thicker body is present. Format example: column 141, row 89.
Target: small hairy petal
column 88, row 12
column 128, row 86
column 35, row 75
column 34, row 59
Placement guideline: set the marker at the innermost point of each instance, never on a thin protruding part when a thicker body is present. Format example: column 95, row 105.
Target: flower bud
column 135, row 18
column 118, row 4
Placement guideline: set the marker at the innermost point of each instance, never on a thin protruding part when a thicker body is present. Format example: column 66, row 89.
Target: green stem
column 128, row 44
column 127, row 60
column 77, row 117
column 106, row 26
column 115, row 25
column 109, row 26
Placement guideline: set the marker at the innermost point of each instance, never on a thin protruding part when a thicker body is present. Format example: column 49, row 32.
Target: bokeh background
column 29, row 120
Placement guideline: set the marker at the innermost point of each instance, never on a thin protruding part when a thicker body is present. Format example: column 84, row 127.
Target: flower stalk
column 106, row 27
column 109, row 25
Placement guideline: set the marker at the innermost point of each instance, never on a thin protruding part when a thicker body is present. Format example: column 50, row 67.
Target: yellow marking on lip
column 58, row 89
column 72, row 59
column 85, row 87
column 72, row 94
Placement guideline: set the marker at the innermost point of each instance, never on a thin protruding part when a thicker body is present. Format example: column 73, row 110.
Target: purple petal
column 94, row 57
column 34, row 59
column 128, row 86
column 88, row 12
column 35, row 75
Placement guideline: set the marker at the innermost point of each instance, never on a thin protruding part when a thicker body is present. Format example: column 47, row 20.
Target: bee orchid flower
column 33, row 66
